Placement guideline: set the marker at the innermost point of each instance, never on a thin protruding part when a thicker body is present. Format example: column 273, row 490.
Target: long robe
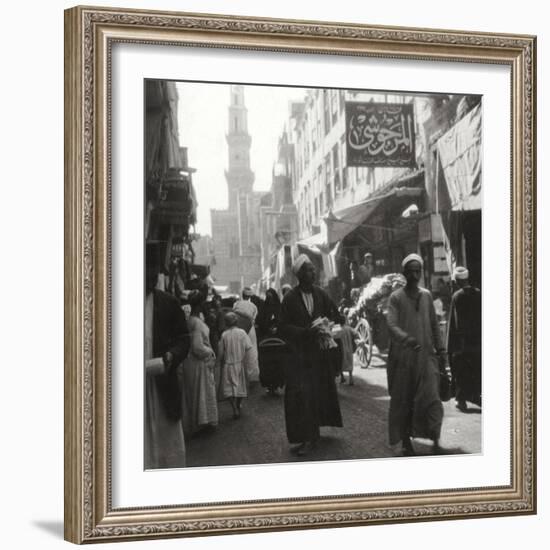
column 413, row 376
column 464, row 344
column 347, row 337
column 249, row 310
column 273, row 353
column 311, row 399
column 234, row 351
column 165, row 331
column 200, row 407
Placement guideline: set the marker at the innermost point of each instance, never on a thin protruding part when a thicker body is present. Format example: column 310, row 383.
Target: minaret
column 238, row 175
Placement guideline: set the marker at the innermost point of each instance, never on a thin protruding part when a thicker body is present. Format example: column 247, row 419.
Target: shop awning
column 317, row 240
column 339, row 224
column 330, row 260
column 459, row 152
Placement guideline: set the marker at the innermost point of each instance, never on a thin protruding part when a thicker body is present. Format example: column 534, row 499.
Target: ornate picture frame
column 90, row 34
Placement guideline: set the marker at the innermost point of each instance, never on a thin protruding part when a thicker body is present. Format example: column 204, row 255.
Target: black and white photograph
column 312, row 274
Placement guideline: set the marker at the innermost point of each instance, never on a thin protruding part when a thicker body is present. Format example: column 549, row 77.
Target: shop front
column 388, row 227
column 459, row 194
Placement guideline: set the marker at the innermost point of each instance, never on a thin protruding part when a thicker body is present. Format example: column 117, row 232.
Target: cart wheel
column 363, row 353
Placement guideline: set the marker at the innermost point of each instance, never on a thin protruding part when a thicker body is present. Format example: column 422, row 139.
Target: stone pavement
column 258, row 437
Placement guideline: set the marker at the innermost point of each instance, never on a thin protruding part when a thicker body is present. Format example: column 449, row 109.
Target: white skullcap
column 412, row 258
column 461, row 273
column 299, row 262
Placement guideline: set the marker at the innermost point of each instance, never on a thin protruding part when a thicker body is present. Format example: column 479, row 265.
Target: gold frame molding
column 89, row 36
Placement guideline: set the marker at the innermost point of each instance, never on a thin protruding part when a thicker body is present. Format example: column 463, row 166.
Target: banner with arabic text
column 380, row 134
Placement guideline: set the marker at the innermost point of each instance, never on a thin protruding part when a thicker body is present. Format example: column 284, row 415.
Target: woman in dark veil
column 273, row 349
column 270, row 312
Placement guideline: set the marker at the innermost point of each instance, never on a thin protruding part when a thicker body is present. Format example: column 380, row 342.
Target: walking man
column 310, row 398
column 248, row 309
column 413, row 365
column 464, row 341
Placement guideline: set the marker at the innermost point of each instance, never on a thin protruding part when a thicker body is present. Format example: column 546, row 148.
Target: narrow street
column 259, row 435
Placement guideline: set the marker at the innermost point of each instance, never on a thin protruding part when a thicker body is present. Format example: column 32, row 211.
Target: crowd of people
column 203, row 353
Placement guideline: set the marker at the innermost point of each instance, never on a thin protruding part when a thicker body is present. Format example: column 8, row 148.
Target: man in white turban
column 413, row 367
column 247, row 309
column 299, row 262
column 412, row 258
column 311, row 400
column 460, row 274
column 464, row 340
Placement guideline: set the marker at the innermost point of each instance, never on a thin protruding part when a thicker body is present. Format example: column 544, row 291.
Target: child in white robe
column 234, row 352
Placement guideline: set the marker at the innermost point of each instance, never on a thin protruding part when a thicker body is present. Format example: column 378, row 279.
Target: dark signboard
column 380, row 134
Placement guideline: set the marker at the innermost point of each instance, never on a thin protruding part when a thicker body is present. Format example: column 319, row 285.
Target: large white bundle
column 372, row 289
column 378, row 289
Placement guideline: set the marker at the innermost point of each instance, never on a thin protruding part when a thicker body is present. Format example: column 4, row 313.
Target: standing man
column 464, row 340
column 166, row 346
column 248, row 309
column 413, row 367
column 310, row 399
column 354, row 280
column 366, row 269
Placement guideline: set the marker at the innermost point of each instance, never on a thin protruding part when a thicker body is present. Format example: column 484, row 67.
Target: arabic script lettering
column 381, row 131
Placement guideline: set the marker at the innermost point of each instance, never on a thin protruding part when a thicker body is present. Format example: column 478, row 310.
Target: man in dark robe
column 166, row 346
column 311, row 399
column 464, row 341
column 413, row 364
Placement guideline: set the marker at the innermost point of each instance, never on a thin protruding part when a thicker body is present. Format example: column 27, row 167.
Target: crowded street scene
column 313, row 274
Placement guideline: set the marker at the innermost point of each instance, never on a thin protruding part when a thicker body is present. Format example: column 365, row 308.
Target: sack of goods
column 379, row 289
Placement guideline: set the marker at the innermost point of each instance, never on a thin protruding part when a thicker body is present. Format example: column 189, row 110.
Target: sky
column 203, row 122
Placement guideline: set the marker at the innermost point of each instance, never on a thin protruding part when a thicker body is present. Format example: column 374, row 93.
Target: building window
column 334, row 105
column 316, row 203
column 326, row 109
column 313, row 129
column 307, row 137
column 308, row 199
column 343, row 162
column 328, row 181
column 315, row 185
column 336, row 167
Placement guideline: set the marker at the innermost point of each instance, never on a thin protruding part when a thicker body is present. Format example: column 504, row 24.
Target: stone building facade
column 236, row 230
column 323, row 181
column 278, row 215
